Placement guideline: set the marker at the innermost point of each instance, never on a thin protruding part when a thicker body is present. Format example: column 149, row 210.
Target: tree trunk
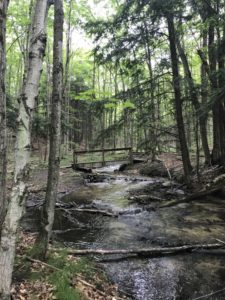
column 29, row 94
column 214, row 84
column 66, row 85
column 48, row 210
column 196, row 103
column 3, row 132
column 178, row 105
column 157, row 251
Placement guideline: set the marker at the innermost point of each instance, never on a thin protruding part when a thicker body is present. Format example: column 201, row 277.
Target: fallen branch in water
column 209, row 295
column 95, row 211
column 146, row 251
column 146, row 198
column 193, row 196
column 69, row 207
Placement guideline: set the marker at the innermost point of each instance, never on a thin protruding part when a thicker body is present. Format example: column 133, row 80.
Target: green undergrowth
column 61, row 273
column 62, row 279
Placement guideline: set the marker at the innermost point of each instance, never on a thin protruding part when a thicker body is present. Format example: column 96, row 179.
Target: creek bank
column 180, row 277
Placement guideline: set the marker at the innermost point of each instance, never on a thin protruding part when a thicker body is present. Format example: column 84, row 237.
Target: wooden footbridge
column 103, row 161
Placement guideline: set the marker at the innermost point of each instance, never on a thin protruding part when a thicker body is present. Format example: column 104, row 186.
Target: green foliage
column 128, row 104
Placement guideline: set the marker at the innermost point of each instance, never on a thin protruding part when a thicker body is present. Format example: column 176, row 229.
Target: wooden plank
column 102, row 150
column 100, row 162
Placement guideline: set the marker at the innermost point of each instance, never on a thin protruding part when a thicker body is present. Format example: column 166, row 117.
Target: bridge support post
column 74, row 157
column 131, row 156
column 103, row 157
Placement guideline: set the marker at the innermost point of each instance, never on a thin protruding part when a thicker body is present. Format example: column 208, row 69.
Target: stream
column 185, row 276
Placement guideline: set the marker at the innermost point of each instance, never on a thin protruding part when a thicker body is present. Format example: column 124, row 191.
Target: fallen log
column 159, row 251
column 146, row 198
column 95, row 211
column 194, row 196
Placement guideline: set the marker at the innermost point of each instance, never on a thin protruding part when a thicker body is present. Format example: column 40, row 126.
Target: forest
column 112, row 149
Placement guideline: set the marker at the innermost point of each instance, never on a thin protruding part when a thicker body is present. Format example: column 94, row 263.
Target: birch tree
column 55, row 134
column 3, row 134
column 37, row 42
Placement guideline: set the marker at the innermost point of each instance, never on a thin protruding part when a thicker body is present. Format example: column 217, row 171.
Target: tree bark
column 3, row 132
column 178, row 105
column 48, row 210
column 27, row 99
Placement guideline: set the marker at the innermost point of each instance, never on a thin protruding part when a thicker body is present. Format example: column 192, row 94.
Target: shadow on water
column 181, row 277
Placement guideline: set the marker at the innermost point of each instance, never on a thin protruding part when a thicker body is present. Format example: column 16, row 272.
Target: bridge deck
column 98, row 164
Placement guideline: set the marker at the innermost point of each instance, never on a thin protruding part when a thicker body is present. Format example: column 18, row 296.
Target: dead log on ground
column 158, row 251
column 95, row 211
column 194, row 196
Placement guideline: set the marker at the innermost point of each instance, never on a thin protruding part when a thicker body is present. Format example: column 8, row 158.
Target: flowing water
column 186, row 276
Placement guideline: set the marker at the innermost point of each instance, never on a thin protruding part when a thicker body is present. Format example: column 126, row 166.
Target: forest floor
column 63, row 276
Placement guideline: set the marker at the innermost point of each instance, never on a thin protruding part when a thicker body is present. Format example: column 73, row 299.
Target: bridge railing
column 103, row 151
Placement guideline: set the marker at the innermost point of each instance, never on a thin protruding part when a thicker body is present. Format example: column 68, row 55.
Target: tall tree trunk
column 204, row 98
column 3, row 132
column 152, row 106
column 178, row 105
column 48, row 210
column 196, row 103
column 214, row 84
column 221, row 78
column 66, row 85
column 29, row 94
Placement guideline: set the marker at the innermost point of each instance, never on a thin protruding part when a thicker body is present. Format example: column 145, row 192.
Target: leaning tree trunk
column 15, row 209
column 178, row 105
column 48, row 210
column 3, row 133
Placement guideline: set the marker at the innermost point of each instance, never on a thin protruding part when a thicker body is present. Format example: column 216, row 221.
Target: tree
column 37, row 42
column 3, row 132
column 178, row 104
column 48, row 210
column 201, row 115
